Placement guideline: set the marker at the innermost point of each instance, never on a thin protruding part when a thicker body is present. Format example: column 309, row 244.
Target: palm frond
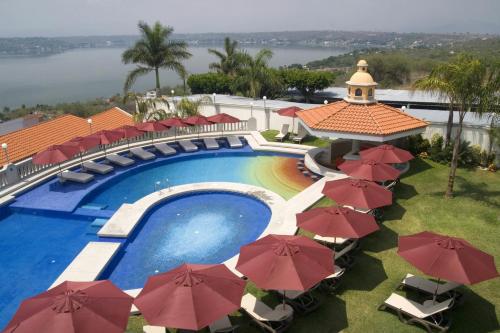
column 133, row 75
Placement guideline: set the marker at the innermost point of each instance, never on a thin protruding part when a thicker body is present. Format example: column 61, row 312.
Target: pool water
column 200, row 228
column 34, row 250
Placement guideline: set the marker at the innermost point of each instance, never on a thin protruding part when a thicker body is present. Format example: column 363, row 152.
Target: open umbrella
column 386, row 154
column 190, row 296
column 174, row 122
column 56, row 154
column 80, row 307
column 129, row 132
column 107, row 137
column 369, row 170
column 151, row 126
column 446, row 257
column 337, row 222
column 223, row 118
column 357, row 193
column 197, row 121
column 84, row 144
column 290, row 111
column 280, row 262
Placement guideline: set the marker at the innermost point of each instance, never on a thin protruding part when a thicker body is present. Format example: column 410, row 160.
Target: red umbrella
column 447, row 258
column 152, row 126
column 83, row 143
column 337, row 222
column 281, row 262
column 128, row 132
column 190, row 296
column 83, row 307
column 197, row 121
column 386, row 154
column 369, row 170
column 174, row 122
column 357, row 193
column 223, row 118
column 56, row 154
column 290, row 112
column 107, row 137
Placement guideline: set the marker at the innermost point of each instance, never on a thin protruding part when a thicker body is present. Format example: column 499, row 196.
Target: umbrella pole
column 436, row 291
column 104, row 147
column 293, row 125
column 284, row 297
column 81, row 159
column 59, row 166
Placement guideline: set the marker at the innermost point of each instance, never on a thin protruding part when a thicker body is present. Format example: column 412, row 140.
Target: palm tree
column 230, row 61
column 472, row 85
column 154, row 51
column 254, row 73
column 146, row 109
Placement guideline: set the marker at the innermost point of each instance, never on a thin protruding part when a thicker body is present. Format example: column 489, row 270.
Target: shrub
column 417, row 144
column 436, row 148
column 208, row 83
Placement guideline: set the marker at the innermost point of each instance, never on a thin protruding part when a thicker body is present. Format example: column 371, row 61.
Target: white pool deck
column 94, row 258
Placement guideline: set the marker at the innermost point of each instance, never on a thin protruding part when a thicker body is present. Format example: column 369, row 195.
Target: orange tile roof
column 29, row 141
column 369, row 119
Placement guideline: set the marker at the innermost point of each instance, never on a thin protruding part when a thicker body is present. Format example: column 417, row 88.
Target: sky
column 49, row 18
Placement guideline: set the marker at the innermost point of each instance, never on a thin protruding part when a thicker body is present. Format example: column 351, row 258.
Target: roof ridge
column 375, row 121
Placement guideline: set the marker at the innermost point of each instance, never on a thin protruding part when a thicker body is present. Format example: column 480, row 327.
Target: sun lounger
column 331, row 241
column 77, row 177
column 165, row 149
column 97, row 167
column 154, row 329
column 343, row 257
column 188, row 146
column 300, row 135
column 211, row 143
column 283, row 133
column 223, row 325
column 268, row 319
column 332, row 282
column 234, row 142
column 426, row 286
column 300, row 301
column 143, row 154
column 430, row 314
column 120, row 160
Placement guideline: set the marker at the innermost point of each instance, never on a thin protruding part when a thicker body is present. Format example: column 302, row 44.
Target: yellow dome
column 363, row 63
column 362, row 78
column 361, row 87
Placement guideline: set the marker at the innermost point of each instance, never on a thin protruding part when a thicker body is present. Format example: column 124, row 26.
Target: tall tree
column 230, row 60
column 254, row 73
column 154, row 50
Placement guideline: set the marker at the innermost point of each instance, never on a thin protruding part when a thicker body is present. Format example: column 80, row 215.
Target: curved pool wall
column 206, row 227
column 274, row 171
column 41, row 232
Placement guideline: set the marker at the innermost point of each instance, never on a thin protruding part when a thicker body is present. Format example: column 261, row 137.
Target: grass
column 473, row 214
column 309, row 140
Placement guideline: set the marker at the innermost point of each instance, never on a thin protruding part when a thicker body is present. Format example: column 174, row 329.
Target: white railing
column 26, row 169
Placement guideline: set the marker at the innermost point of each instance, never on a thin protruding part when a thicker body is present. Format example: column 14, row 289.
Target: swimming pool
column 201, row 228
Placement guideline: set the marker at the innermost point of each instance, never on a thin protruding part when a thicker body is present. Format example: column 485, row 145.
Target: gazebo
column 359, row 118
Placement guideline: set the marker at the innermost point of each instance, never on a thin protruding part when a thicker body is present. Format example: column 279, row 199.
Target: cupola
column 361, row 87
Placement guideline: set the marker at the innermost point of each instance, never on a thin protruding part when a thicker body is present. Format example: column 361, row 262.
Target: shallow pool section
column 202, row 228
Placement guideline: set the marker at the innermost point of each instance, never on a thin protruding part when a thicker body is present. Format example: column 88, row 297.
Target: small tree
column 208, row 83
column 307, row 82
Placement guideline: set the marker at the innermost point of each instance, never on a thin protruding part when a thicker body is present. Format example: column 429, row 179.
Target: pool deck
column 89, row 263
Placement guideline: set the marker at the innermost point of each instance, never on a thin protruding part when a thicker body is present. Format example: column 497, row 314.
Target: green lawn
column 419, row 205
column 309, row 140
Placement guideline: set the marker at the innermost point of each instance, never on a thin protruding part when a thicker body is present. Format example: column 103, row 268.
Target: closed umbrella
column 357, row 193
column 337, row 222
column 280, row 262
column 369, row 170
column 223, row 118
column 190, row 296
column 74, row 307
column 56, row 154
column 290, row 112
column 386, row 154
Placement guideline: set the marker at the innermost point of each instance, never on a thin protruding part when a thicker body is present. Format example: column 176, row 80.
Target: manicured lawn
column 309, row 140
column 473, row 214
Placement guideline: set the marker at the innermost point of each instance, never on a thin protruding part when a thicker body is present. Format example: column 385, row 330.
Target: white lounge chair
column 165, row 149
column 300, row 301
column 302, row 133
column 429, row 287
column 234, row 141
column 188, row 146
column 332, row 281
column 283, row 133
column 120, row 160
column 97, row 167
column 154, row 329
column 429, row 314
column 330, row 241
column 343, row 257
column 211, row 143
column 268, row 319
column 223, row 325
column 77, row 177
column 143, row 154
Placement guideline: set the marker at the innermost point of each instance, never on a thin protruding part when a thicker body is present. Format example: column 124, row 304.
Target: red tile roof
column 369, row 119
column 28, row 141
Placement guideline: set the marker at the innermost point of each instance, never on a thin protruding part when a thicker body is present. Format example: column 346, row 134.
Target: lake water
column 85, row 74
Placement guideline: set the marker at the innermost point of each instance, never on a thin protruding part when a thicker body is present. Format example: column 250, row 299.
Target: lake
column 84, row 74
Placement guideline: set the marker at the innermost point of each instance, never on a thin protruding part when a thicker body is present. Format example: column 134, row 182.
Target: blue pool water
column 34, row 250
column 202, row 228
